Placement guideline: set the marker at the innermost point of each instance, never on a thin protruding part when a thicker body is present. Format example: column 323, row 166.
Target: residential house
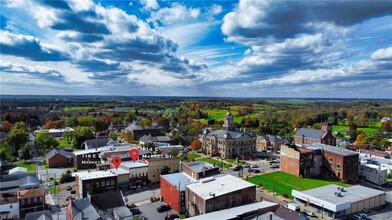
column 113, row 203
column 31, row 200
column 59, row 157
column 9, row 207
column 148, row 139
column 373, row 173
column 40, row 215
column 288, row 214
column 57, row 133
column 81, row 209
column 198, row 170
column 269, row 142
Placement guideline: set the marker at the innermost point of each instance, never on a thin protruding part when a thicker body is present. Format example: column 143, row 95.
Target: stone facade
column 228, row 143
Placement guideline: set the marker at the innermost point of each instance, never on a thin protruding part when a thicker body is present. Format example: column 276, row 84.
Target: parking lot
column 149, row 211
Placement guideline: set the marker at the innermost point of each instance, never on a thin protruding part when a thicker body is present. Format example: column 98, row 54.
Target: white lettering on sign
column 90, row 162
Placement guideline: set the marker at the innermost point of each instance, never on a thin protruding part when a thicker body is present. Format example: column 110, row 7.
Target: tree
column 67, row 135
column 387, row 126
column 127, row 136
column 3, row 154
column 26, row 155
column 6, row 126
column 145, row 123
column 17, row 137
column 196, row 144
column 360, row 139
column 43, row 139
column 81, row 134
column 66, row 177
column 54, row 124
column 113, row 135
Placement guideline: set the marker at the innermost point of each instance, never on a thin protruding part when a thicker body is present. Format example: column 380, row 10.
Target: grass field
column 213, row 161
column 190, row 157
column 367, row 131
column 288, row 101
column 283, row 183
column 233, row 161
column 77, row 108
column 64, row 143
column 29, row 165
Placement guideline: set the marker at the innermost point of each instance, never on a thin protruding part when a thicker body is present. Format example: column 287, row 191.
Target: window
column 217, row 205
column 107, row 182
column 35, row 200
column 87, row 185
column 23, row 201
column 208, row 207
column 103, row 183
column 112, row 182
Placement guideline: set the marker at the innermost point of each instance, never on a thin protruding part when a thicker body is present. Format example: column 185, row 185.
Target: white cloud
column 150, row 4
column 382, row 54
column 215, row 9
column 175, row 13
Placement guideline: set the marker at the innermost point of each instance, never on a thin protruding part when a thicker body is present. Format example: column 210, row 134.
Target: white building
column 138, row 172
column 336, row 202
column 373, row 173
column 9, row 208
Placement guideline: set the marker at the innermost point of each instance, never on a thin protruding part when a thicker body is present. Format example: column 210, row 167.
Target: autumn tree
column 113, row 135
column 145, row 123
column 360, row 139
column 54, row 124
column 6, row 126
column 196, row 144
column 127, row 136
column 387, row 126
column 17, row 137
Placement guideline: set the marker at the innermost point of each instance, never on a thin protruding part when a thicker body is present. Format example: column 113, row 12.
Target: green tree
column 3, row 154
column 387, row 126
column 67, row 135
column 81, row 134
column 17, row 137
column 26, row 155
column 145, row 123
column 113, row 135
column 46, row 141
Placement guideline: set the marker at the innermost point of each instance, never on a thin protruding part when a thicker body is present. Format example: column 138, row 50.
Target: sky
column 221, row 48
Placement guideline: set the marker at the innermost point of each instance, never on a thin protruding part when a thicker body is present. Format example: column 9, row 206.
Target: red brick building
column 309, row 135
column 297, row 161
column 342, row 165
column 31, row 200
column 213, row 194
column 173, row 190
column 59, row 158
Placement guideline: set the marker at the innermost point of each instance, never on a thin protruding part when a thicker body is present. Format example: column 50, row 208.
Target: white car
column 254, row 166
column 309, row 213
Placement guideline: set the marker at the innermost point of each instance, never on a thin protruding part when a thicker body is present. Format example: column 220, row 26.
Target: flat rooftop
column 327, row 195
column 179, row 178
column 131, row 164
column 119, row 171
column 105, row 148
column 86, row 175
column 331, row 149
column 199, row 166
column 373, row 166
column 235, row 212
column 218, row 186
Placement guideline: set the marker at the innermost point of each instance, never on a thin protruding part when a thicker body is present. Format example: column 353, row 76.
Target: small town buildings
column 374, row 153
column 59, row 157
column 122, row 213
column 40, row 215
column 138, row 131
column 81, row 209
column 249, row 211
column 31, row 200
column 97, row 143
column 158, row 165
column 29, row 182
column 228, row 142
column 113, row 203
column 309, row 135
column 148, row 139
column 173, row 190
column 319, row 159
column 336, row 202
column 198, row 170
column 383, row 163
column 217, row 193
column 9, row 207
column 269, row 142
column 373, row 173
column 122, row 177
column 57, row 133
column 137, row 172
column 169, row 149
column 289, row 214
column 95, row 182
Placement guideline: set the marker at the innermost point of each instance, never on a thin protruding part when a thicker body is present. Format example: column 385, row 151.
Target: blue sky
column 245, row 48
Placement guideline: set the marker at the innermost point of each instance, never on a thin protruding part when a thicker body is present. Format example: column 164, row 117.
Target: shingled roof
column 59, row 151
column 309, row 133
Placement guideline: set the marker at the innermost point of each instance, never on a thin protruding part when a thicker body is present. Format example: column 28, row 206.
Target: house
column 122, row 213
column 59, row 157
column 309, row 135
column 107, row 200
column 269, row 142
column 95, row 143
column 31, row 200
column 148, row 139
column 29, row 182
column 81, row 209
column 17, row 171
column 9, row 207
column 288, row 214
column 173, row 190
column 40, row 215
column 334, row 201
column 217, row 193
column 122, row 177
column 159, row 165
column 228, row 142
column 250, row 211
column 319, row 159
column 95, row 182
column 138, row 131
column 198, row 170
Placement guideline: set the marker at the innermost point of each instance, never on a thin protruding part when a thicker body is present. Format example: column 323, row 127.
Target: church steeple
column 228, row 124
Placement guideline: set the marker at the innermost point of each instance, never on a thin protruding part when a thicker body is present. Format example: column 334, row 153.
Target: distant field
column 367, row 131
column 213, row 161
column 288, row 101
column 77, row 108
column 219, row 114
column 282, row 183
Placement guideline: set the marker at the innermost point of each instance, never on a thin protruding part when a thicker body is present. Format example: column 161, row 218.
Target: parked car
column 254, row 166
column 135, row 211
column 256, row 171
column 309, row 213
column 274, row 165
column 67, row 199
column 246, row 165
column 163, row 208
column 173, row 216
column 68, row 188
column 237, row 168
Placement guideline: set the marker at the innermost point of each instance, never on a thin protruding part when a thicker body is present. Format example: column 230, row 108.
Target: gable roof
column 148, row 138
column 83, row 207
column 40, row 215
column 60, row 151
column 107, row 200
column 96, row 143
column 289, row 214
column 29, row 182
column 309, row 133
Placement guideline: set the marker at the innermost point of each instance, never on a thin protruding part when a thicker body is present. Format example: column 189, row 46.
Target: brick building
column 96, row 182
column 320, row 159
column 173, row 190
column 269, row 142
column 198, row 170
column 309, row 135
column 138, row 131
column 59, row 157
column 31, row 200
column 213, row 194
column 161, row 165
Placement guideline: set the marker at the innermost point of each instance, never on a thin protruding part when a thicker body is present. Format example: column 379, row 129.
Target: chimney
column 270, row 217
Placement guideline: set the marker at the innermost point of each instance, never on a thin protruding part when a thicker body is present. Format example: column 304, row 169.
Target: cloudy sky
column 245, row 48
